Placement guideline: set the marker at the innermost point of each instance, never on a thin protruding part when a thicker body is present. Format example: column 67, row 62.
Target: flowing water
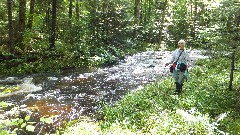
column 74, row 93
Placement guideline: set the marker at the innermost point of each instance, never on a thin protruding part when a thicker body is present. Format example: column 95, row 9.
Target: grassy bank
column 206, row 106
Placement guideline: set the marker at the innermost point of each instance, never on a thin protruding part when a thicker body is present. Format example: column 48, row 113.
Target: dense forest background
column 38, row 34
column 53, row 35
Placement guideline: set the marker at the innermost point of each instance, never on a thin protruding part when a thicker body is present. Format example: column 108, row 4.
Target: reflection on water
column 70, row 94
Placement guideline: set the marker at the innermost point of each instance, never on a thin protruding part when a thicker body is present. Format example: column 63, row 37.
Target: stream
column 74, row 93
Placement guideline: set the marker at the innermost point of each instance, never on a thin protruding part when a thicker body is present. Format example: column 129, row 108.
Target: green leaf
column 23, row 125
column 3, row 133
column 8, row 123
column 8, row 90
column 15, row 121
column 30, row 128
column 20, row 121
column 31, row 122
column 4, row 104
column 46, row 120
column 27, row 118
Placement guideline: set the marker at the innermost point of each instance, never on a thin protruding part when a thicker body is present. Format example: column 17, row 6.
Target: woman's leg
column 176, row 77
column 181, row 78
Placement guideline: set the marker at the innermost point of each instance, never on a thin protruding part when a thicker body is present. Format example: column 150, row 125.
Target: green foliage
column 20, row 121
column 4, row 104
column 222, row 33
column 206, row 106
column 46, row 120
column 103, row 31
column 205, row 103
column 84, row 127
column 180, row 26
column 5, row 90
column 18, row 124
column 4, row 133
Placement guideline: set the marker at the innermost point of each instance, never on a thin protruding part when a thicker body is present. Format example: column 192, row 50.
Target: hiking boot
column 178, row 88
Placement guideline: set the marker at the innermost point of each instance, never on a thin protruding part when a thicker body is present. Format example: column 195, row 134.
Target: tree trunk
column 30, row 20
column 145, row 10
column 10, row 26
column 21, row 23
column 137, row 11
column 137, row 17
column 77, row 10
column 232, row 69
column 149, row 37
column 164, row 10
column 106, row 29
column 233, row 54
column 94, row 22
column 47, row 20
column 53, row 27
column 70, row 12
column 194, row 19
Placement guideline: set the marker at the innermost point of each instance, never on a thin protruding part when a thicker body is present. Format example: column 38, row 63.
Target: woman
column 180, row 73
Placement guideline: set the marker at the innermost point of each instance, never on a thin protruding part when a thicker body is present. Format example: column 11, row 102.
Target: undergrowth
column 206, row 106
column 64, row 57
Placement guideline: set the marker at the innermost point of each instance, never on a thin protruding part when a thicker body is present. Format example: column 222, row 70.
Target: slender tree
column 47, row 22
column 195, row 16
column 70, row 12
column 137, row 11
column 105, row 17
column 30, row 19
column 232, row 69
column 70, row 15
column 236, row 38
column 164, row 12
column 10, row 26
column 53, row 25
column 21, row 23
column 137, row 16
column 77, row 9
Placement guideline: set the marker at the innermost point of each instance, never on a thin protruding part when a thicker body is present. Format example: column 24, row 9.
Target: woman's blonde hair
column 182, row 41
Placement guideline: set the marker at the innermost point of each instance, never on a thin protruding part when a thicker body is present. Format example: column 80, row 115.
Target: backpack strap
column 179, row 56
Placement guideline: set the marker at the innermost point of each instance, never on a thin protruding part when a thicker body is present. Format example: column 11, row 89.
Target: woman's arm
column 172, row 59
column 187, row 58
